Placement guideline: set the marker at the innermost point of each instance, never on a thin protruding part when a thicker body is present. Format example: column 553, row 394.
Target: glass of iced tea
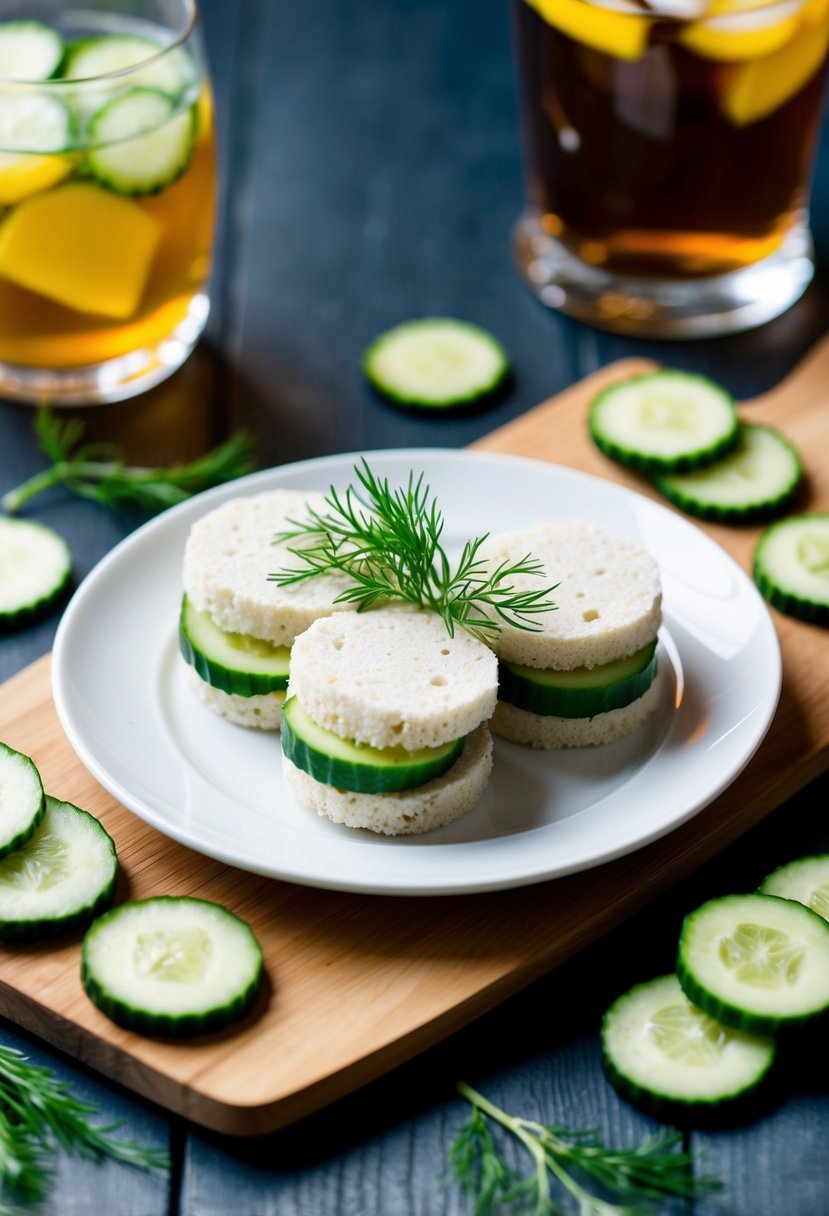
column 107, row 196
column 669, row 148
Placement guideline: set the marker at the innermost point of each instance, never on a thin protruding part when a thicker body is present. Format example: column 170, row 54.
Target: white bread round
column 408, row 812
column 536, row 730
column 608, row 599
column 262, row 712
column 393, row 677
column 229, row 554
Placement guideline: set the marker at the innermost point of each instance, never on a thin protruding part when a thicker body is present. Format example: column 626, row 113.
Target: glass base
column 663, row 308
column 116, row 379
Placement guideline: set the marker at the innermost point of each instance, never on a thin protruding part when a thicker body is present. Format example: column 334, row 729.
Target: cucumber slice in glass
column 356, row 766
column 791, row 567
column 170, row 70
column 436, row 363
column 232, row 662
column 141, row 142
column 757, row 480
column 34, row 123
column 29, row 50
column 805, row 880
column 582, row 692
column 62, row 877
column 664, row 422
column 664, row 1053
column 22, row 801
column 35, row 570
column 755, row 962
column 171, row 965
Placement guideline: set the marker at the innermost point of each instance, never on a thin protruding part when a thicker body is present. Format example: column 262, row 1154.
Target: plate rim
column 199, row 503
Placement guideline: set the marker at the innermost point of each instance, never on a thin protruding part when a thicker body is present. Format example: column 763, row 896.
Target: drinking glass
column 669, row 149
column 107, row 196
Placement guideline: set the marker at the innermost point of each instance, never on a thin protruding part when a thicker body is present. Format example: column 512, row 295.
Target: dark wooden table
column 371, row 171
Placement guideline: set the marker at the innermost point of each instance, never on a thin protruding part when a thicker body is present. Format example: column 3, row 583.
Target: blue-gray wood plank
column 371, row 171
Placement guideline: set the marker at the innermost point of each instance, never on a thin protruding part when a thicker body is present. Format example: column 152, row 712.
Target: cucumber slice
column 791, row 567
column 355, row 766
column 62, row 877
column 171, row 965
column 231, row 662
column 582, row 692
column 29, row 50
column 170, row 70
column 35, row 569
column 663, row 1053
column 436, row 363
column 664, row 422
column 757, row 480
column 805, row 880
column 22, row 801
column 142, row 143
column 34, row 122
column 755, row 962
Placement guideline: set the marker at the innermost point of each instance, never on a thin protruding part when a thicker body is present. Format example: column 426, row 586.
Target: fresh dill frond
column 100, row 472
column 388, row 541
column 38, row 1112
column 565, row 1161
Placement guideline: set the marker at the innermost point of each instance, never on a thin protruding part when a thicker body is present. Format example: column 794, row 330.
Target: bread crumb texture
column 535, row 730
column 608, row 598
column 263, row 712
column 408, row 812
column 229, row 554
column 393, row 677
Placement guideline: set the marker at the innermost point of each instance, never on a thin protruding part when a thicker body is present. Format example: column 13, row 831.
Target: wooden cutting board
column 358, row 984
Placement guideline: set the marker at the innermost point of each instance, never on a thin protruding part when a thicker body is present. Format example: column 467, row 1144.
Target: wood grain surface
column 358, row 984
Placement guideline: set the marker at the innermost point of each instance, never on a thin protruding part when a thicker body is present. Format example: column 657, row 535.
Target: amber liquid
column 40, row 333
column 634, row 167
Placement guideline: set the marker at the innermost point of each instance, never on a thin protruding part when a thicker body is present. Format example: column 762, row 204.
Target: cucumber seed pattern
column 173, row 956
column 687, row 1035
column 760, row 955
column 41, row 863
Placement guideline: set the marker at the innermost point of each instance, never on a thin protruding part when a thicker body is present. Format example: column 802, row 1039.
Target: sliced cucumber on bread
column 757, row 963
column 583, row 692
column 141, row 141
column 36, row 568
column 29, row 50
column 346, row 765
column 22, row 801
column 664, row 1053
column 805, row 880
column 62, row 877
column 232, row 662
column 664, row 422
column 757, row 480
column 436, row 363
column 171, row 965
column 791, row 566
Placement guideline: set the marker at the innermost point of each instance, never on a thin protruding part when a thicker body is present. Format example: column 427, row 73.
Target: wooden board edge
column 117, row 1064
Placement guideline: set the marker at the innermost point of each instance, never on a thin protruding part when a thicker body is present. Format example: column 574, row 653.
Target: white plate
column 121, row 696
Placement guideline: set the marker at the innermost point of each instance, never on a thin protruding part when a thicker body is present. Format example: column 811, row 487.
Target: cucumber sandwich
column 236, row 627
column 589, row 676
column 385, row 723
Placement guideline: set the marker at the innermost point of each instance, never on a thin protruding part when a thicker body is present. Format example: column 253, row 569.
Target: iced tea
column 670, row 142
column 107, row 195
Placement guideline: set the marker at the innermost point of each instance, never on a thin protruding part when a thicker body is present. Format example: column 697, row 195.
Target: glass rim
column 88, row 81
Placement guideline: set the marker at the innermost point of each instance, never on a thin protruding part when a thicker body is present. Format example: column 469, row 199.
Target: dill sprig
column 388, row 541
column 38, row 1112
column 99, row 471
column 635, row 1178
